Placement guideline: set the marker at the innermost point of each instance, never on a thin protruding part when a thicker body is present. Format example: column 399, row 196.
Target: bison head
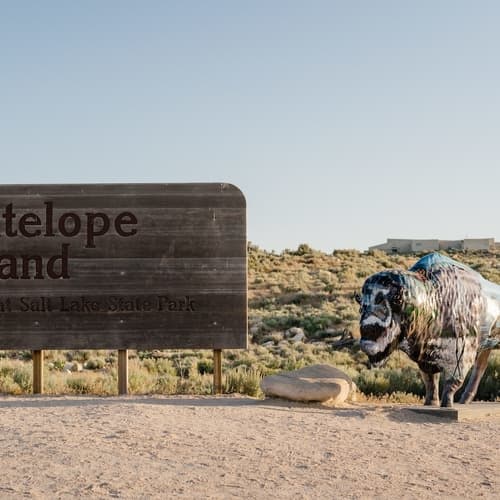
column 381, row 303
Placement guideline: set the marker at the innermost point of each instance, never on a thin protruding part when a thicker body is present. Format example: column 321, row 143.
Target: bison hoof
column 466, row 398
column 431, row 402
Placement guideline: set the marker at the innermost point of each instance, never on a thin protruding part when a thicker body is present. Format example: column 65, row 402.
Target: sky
column 343, row 122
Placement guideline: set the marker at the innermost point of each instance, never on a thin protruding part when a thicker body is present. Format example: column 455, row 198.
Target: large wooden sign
column 123, row 266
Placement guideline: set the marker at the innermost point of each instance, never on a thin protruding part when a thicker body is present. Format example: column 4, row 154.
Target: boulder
column 293, row 332
column 314, row 383
column 73, row 366
column 300, row 337
column 255, row 329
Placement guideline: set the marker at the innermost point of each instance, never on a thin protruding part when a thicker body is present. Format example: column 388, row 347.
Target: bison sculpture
column 442, row 313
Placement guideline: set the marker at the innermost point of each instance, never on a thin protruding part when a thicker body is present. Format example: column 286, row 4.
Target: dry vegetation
column 302, row 288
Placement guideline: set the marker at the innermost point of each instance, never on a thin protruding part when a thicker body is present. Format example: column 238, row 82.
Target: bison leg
column 431, row 382
column 477, row 373
column 457, row 365
column 450, row 387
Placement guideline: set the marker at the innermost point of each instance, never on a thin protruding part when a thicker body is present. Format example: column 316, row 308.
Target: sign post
column 218, row 371
column 122, row 266
column 122, row 371
column 37, row 372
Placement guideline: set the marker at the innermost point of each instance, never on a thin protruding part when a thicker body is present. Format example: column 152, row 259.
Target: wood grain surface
column 177, row 278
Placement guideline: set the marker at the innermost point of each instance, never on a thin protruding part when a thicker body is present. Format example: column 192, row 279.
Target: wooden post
column 123, row 371
column 37, row 372
column 217, row 371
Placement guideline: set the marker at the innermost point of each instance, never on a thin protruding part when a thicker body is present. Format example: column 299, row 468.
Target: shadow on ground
column 395, row 413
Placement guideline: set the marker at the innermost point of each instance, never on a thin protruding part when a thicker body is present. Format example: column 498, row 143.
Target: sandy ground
column 235, row 447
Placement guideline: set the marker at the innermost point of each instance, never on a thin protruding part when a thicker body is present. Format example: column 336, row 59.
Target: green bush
column 15, row 377
column 95, row 364
column 23, row 378
column 80, row 385
column 489, row 387
column 205, row 366
column 165, row 384
column 243, row 381
column 379, row 382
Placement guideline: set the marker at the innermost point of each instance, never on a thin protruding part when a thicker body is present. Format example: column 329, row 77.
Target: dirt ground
column 238, row 447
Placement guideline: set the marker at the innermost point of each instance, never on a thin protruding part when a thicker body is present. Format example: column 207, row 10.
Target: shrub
column 489, row 387
column 15, row 377
column 80, row 385
column 205, row 366
column 165, row 384
column 383, row 381
column 94, row 364
column 243, row 381
column 23, row 378
column 59, row 364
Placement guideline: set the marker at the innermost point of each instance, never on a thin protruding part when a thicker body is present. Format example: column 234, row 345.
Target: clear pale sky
column 344, row 123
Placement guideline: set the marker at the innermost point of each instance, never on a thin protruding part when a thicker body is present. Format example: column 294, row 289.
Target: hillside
column 301, row 311
column 315, row 290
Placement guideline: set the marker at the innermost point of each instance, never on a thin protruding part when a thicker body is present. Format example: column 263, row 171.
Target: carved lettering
column 29, row 220
column 9, row 217
column 57, row 267
column 125, row 218
column 37, row 304
column 63, row 266
column 75, row 224
column 6, row 305
column 8, row 267
column 38, row 261
column 90, row 304
column 93, row 222
column 69, row 225
column 49, row 211
column 185, row 304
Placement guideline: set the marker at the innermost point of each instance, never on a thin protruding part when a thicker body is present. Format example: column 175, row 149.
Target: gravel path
column 237, row 447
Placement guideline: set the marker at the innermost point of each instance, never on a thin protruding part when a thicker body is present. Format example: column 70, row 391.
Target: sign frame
column 123, row 266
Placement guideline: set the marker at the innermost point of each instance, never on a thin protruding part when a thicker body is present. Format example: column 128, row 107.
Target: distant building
column 413, row 246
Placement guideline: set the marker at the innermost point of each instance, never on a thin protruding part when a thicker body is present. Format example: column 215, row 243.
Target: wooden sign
column 123, row 266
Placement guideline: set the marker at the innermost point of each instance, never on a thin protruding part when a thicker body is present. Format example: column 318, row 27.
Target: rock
column 319, row 344
column 314, row 383
column 332, row 332
column 73, row 367
column 331, row 340
column 268, row 344
column 300, row 337
column 293, row 332
column 255, row 329
column 157, row 354
column 272, row 337
column 295, row 335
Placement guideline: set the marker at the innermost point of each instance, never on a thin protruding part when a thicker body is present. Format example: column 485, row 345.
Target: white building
column 414, row 246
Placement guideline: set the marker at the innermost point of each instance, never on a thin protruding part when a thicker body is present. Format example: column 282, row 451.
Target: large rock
column 73, row 366
column 313, row 383
column 295, row 332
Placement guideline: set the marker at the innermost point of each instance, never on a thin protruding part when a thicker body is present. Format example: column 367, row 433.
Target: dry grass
column 302, row 288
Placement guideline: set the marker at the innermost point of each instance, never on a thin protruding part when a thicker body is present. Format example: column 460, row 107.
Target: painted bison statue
column 441, row 313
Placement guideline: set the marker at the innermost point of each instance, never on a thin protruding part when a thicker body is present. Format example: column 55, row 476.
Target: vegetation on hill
column 315, row 290
column 301, row 311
